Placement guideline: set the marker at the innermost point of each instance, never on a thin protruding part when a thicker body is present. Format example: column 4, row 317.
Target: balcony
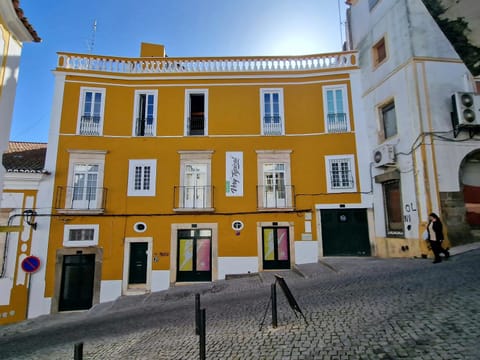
column 272, row 125
column 90, row 125
column 337, row 123
column 144, row 127
column 193, row 198
column 196, row 125
column 80, row 199
column 275, row 197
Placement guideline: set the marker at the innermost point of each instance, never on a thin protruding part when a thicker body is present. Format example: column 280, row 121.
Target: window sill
column 264, row 209
column 195, row 210
column 80, row 211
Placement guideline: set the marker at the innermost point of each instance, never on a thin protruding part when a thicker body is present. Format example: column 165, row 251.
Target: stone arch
column 469, row 178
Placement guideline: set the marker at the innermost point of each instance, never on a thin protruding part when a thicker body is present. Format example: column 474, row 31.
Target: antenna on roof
column 91, row 42
column 341, row 23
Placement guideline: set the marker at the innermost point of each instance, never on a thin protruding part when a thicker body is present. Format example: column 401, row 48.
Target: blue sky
column 193, row 28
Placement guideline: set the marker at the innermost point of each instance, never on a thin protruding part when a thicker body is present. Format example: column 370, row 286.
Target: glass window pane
column 282, row 244
column 268, row 245
column 185, row 255
column 203, row 255
column 339, row 101
column 389, row 120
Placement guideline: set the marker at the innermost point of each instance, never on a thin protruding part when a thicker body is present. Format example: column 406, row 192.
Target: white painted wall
column 236, row 265
column 306, row 252
column 110, row 290
column 160, row 280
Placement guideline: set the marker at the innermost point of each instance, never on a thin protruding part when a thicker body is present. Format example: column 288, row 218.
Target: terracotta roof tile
column 24, row 20
column 24, row 157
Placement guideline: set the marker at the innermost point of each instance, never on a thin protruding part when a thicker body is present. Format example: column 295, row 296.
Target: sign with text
column 234, row 174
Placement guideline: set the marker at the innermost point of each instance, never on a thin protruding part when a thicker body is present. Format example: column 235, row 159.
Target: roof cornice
column 17, row 23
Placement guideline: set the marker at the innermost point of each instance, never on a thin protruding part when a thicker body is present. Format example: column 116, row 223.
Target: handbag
column 425, row 235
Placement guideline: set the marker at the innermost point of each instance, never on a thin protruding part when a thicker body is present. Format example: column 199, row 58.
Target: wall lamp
column 29, row 216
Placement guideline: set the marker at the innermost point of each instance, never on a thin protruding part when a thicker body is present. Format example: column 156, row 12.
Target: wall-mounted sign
column 234, row 174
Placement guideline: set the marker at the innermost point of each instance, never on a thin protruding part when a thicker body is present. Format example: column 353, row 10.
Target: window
column 80, row 235
column 393, row 207
column 84, row 189
column 379, row 52
column 196, row 112
column 145, row 113
column 340, row 173
column 271, row 101
column 195, row 190
column 336, row 109
column 141, row 177
column 274, row 189
column 389, row 120
column 90, row 114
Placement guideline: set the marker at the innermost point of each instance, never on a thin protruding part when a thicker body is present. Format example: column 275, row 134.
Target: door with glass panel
column 194, row 255
column 276, row 248
column 195, row 189
column 274, row 195
column 85, row 186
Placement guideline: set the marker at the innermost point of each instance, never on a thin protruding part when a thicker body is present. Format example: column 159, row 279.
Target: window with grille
column 142, row 178
column 145, row 113
column 340, row 173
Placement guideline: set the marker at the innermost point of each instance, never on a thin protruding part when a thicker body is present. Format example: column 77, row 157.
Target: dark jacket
column 438, row 228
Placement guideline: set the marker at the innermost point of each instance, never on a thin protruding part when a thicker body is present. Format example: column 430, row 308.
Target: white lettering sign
column 234, row 174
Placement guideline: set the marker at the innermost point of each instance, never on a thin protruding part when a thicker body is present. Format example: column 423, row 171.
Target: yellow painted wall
column 16, row 310
column 234, row 124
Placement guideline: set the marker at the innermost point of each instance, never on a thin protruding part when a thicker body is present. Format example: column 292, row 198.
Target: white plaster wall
column 236, row 265
column 110, row 290
column 160, row 280
column 40, row 304
column 7, row 98
column 306, row 252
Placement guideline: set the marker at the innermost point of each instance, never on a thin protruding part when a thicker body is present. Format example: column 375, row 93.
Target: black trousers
column 438, row 249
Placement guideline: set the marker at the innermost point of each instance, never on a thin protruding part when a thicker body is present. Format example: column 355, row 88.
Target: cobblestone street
column 356, row 308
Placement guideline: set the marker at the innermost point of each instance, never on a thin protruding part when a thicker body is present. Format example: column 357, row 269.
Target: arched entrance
column 470, row 180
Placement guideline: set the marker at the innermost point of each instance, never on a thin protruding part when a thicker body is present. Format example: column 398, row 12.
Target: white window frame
column 81, row 105
column 274, row 157
column 344, row 90
column 132, row 164
column 281, row 111
column 351, row 162
column 189, row 92
column 90, row 157
column 80, row 243
column 196, row 157
column 136, row 109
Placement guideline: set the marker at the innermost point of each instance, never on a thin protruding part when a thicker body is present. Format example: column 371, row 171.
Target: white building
column 14, row 31
column 409, row 73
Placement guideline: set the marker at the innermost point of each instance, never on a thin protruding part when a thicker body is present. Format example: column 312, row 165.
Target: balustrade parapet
column 159, row 65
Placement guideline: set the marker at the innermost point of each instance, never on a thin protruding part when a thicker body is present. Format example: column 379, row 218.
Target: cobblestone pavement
column 356, row 308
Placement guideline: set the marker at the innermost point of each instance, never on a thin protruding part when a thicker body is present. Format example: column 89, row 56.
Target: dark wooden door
column 194, row 255
column 345, row 232
column 76, row 289
column 276, row 248
column 137, row 272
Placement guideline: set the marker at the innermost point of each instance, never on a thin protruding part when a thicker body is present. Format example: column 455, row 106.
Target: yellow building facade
column 179, row 170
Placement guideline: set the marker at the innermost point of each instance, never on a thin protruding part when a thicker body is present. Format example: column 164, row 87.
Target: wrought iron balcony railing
column 193, row 198
column 275, row 197
column 337, row 123
column 196, row 125
column 89, row 125
column 144, row 127
column 272, row 125
column 80, row 198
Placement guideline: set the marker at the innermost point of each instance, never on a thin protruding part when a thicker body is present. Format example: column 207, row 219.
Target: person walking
column 435, row 237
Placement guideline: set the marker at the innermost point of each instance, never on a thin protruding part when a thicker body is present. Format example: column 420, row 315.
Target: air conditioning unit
column 466, row 109
column 384, row 155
